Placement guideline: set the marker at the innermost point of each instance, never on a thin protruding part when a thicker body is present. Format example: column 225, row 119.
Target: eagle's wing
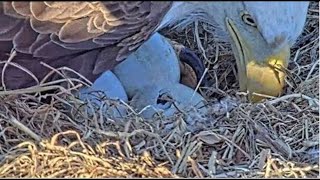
column 52, row 31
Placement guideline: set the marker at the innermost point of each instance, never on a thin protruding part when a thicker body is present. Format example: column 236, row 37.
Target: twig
column 198, row 85
column 299, row 95
column 23, row 128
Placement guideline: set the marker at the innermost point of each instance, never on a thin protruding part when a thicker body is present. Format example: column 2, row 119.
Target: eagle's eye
column 246, row 18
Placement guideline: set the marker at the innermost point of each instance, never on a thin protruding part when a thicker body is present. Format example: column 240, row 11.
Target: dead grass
column 276, row 138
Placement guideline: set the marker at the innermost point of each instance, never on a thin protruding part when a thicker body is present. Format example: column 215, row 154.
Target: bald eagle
column 93, row 37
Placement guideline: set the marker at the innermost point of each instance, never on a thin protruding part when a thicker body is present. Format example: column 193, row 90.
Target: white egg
column 146, row 76
column 148, row 101
column 155, row 62
column 105, row 89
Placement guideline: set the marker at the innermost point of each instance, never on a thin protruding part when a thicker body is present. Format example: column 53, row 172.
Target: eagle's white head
column 261, row 34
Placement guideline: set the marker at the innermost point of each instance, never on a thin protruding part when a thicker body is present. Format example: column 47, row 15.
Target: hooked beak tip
column 267, row 80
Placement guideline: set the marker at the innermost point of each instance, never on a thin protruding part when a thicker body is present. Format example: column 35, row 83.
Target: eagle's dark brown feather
column 89, row 37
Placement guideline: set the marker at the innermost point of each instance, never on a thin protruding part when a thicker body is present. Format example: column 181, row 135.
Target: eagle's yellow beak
column 263, row 77
column 266, row 79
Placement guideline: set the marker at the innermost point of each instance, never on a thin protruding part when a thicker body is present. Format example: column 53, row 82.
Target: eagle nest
column 278, row 137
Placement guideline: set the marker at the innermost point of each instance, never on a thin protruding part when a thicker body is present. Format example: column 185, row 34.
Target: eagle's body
column 88, row 37
column 93, row 37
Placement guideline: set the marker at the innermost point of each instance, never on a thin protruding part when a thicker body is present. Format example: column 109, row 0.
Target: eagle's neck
column 181, row 14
